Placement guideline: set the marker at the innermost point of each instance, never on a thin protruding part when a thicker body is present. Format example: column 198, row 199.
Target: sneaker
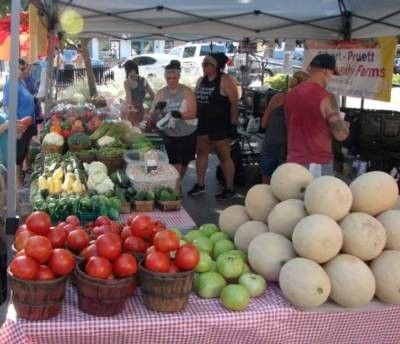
column 197, row 189
column 226, row 194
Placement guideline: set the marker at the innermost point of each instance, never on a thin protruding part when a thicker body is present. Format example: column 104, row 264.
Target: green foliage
column 277, row 81
column 5, row 8
column 396, row 78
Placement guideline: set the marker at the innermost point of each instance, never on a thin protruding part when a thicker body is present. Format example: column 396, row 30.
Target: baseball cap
column 325, row 61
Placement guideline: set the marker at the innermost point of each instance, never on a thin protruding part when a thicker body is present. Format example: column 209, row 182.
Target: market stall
column 269, row 319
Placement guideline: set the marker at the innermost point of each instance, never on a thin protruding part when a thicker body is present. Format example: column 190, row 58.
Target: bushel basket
column 165, row 292
column 37, row 300
column 102, row 297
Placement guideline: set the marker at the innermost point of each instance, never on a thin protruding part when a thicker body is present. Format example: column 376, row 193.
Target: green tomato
column 235, row 297
column 205, row 262
column 218, row 236
column 209, row 284
column 193, row 234
column 208, row 229
column 255, row 284
column 222, row 246
column 230, row 266
column 203, row 244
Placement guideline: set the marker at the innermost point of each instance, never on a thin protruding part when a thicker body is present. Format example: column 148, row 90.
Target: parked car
column 150, row 65
column 276, row 62
column 191, row 56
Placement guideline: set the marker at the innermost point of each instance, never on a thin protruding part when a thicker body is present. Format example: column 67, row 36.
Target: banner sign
column 365, row 65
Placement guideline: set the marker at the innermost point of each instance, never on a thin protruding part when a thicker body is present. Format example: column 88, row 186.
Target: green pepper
column 113, row 213
column 85, row 205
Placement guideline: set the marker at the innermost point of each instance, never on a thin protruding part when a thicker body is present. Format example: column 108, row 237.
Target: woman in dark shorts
column 217, row 111
column 175, row 104
column 273, row 149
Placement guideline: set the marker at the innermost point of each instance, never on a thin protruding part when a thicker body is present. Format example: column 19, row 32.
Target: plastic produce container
column 166, row 175
column 139, row 157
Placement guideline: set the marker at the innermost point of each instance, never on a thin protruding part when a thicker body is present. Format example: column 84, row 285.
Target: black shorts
column 215, row 127
column 181, row 150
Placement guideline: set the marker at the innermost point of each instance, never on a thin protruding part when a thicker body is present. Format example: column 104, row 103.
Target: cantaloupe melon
column 374, row 192
column 390, row 220
column 317, row 237
column 247, row 232
column 231, row 218
column 285, row 215
column 397, row 204
column 363, row 236
column 290, row 180
column 259, row 202
column 328, row 196
column 386, row 269
column 352, row 281
column 304, row 283
column 268, row 252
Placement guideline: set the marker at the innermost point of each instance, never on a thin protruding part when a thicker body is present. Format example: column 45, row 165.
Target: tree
column 5, row 8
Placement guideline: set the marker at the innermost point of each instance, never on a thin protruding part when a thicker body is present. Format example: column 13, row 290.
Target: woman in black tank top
column 217, row 112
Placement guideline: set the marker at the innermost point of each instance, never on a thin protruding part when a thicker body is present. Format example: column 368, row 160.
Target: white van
column 191, row 56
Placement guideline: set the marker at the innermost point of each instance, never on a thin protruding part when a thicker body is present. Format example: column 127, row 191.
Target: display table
column 268, row 319
column 172, row 219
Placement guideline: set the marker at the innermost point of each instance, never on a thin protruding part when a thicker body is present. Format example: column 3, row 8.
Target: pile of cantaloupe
column 321, row 238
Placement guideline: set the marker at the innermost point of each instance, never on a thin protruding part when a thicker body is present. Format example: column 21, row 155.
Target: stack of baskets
column 37, row 300
column 165, row 292
column 113, row 162
column 51, row 149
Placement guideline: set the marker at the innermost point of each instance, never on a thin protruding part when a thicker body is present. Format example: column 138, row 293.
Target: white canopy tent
column 236, row 19
column 209, row 19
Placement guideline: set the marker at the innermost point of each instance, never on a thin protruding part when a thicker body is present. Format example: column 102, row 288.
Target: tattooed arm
column 330, row 110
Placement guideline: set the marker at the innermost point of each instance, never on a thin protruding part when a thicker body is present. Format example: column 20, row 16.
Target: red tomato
column 61, row 262
column 108, row 245
column 126, row 232
column 173, row 268
column 21, row 238
column 125, row 265
column 69, row 228
column 73, row 220
column 187, row 257
column 88, row 252
column 157, row 227
column 77, row 240
column 157, row 262
column 115, row 227
column 102, row 220
column 99, row 230
column 57, row 237
column 38, row 222
column 39, row 248
column 134, row 244
column 20, row 253
column 24, row 267
column 45, row 274
column 61, row 225
column 151, row 249
column 166, row 241
column 142, row 226
column 130, row 219
column 21, row 229
column 98, row 267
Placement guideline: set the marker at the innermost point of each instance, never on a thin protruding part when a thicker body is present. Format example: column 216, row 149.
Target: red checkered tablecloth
column 172, row 219
column 268, row 319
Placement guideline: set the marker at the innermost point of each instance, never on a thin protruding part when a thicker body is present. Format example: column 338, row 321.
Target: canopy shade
column 236, row 19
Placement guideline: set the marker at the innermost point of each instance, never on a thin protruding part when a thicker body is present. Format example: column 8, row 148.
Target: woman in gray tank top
column 174, row 107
